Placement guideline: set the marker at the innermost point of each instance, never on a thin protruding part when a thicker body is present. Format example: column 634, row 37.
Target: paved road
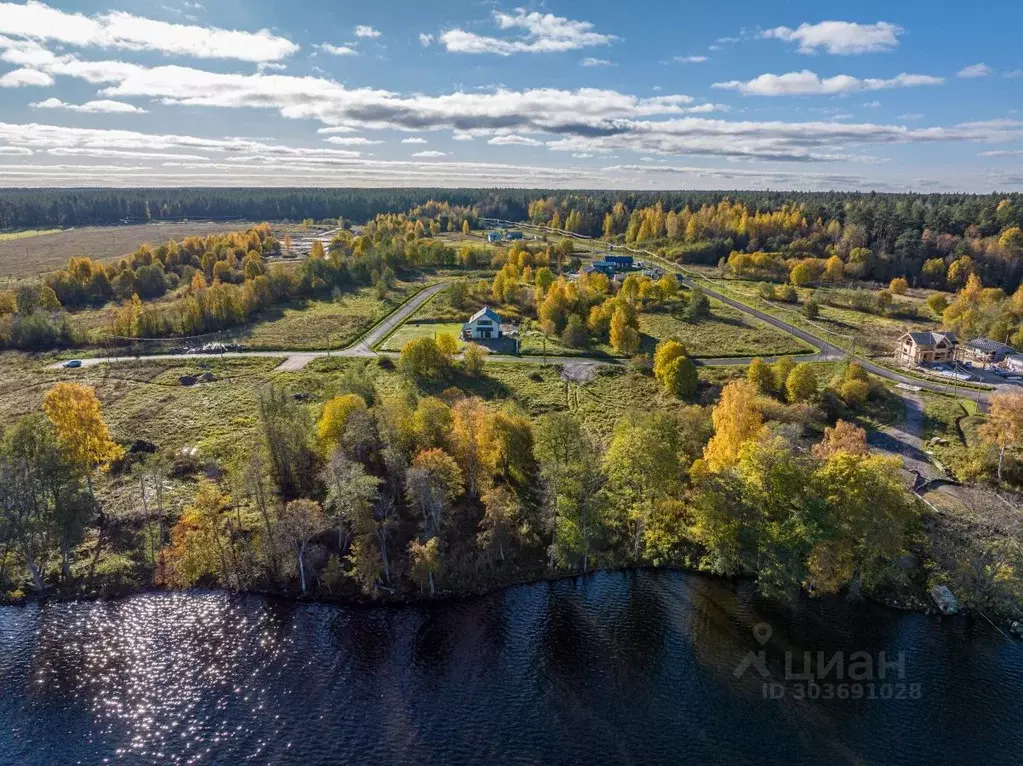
column 294, row 361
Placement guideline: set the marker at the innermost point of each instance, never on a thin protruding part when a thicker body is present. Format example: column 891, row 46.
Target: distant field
column 12, row 235
column 24, row 254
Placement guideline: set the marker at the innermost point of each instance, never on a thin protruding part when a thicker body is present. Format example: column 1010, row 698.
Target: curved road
column 297, row 360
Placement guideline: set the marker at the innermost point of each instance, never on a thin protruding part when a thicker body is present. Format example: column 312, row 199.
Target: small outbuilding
column 1014, row 362
column 485, row 324
column 983, row 351
column 494, row 236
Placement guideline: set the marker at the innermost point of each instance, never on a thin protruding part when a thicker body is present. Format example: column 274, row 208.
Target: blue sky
column 823, row 95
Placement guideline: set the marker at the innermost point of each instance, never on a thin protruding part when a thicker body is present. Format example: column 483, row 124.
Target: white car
column 73, row 363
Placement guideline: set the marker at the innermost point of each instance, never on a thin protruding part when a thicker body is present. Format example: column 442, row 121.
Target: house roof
column 987, row 346
column 932, row 338
column 487, row 312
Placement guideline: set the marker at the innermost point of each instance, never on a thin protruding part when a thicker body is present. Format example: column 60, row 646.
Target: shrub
column 854, row 392
column 801, row 384
column 899, row 286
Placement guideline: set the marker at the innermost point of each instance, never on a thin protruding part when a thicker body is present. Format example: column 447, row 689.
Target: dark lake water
column 628, row 668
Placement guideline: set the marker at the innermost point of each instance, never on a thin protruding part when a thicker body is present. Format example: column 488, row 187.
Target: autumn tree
column 330, row 428
column 350, row 496
column 199, row 544
column 801, row 384
column 474, row 359
column 899, row 286
column 1004, row 426
column 834, row 270
column 431, row 423
column 501, row 519
column 299, row 522
column 447, row 344
column 432, row 483
column 869, row 518
column 422, row 358
column 75, row 413
column 474, row 444
column 736, row 419
column 642, row 467
column 425, row 562
column 761, row 376
column 843, row 437
column 624, row 330
column 287, row 435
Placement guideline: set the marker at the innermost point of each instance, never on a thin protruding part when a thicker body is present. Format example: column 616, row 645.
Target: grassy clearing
column 870, row 334
column 15, row 235
column 49, row 250
column 726, row 332
column 318, row 324
column 418, row 329
column 145, row 399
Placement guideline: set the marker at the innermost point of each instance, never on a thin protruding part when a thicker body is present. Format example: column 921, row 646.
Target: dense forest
column 877, row 236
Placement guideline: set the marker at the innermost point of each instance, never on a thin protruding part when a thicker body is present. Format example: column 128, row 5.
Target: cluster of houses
column 923, row 349
column 508, row 236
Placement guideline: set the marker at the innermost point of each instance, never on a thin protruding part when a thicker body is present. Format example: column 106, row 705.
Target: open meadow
column 26, row 254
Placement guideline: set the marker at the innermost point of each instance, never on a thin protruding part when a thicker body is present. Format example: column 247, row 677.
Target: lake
column 619, row 667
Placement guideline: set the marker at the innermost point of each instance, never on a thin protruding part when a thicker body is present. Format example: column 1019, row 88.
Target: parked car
column 73, row 363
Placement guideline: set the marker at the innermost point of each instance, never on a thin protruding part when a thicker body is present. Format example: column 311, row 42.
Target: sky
column 907, row 96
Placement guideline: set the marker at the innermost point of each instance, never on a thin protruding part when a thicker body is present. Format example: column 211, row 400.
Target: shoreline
column 906, row 604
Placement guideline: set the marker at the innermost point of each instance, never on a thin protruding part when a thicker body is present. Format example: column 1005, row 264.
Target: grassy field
column 726, row 332
column 872, row 334
column 145, row 399
column 417, row 329
column 44, row 251
column 11, row 236
column 319, row 324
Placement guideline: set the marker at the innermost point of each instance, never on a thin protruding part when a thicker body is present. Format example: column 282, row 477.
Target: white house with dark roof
column 485, row 324
column 926, row 347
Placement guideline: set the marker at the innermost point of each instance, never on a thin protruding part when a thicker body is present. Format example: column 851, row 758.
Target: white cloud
column 124, row 31
column 335, row 129
column 101, row 106
column 582, row 155
column 725, row 40
column 15, row 151
column 21, row 77
column 462, row 136
column 430, row 153
column 872, row 104
column 1003, row 153
column 808, row 83
column 425, row 39
column 590, row 61
column 337, row 50
column 514, row 141
column 689, row 59
column 351, row 141
column 364, row 30
column 974, row 70
column 910, row 116
column 839, row 37
column 413, row 140
column 544, row 33
column 1014, row 74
